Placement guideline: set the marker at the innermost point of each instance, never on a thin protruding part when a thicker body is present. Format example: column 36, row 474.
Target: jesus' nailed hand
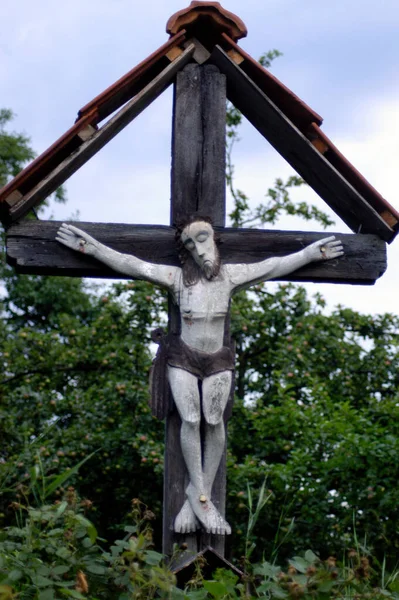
column 202, row 288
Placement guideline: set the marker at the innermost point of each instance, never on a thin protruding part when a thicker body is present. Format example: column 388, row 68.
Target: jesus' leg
column 215, row 394
column 216, row 391
column 185, row 392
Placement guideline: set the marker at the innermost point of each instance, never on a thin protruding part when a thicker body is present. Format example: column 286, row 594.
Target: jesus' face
column 198, row 239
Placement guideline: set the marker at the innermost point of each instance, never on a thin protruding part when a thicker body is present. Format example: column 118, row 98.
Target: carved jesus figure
column 202, row 289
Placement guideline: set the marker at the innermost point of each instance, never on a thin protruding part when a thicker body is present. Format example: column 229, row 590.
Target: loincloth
column 174, row 352
column 200, row 364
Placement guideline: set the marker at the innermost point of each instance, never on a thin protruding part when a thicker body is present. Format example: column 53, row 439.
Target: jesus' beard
column 211, row 269
column 192, row 272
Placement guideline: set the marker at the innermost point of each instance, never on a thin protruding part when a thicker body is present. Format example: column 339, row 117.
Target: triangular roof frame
column 205, row 32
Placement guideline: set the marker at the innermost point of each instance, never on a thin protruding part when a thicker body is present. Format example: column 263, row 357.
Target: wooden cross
column 204, row 75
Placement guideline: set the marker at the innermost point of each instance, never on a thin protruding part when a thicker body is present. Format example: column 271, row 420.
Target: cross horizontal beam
column 32, row 249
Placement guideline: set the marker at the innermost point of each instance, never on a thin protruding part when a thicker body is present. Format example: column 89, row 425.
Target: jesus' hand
column 77, row 239
column 324, row 249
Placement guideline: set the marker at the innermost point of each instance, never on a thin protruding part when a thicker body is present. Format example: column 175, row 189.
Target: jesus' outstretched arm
column 243, row 276
column 128, row 264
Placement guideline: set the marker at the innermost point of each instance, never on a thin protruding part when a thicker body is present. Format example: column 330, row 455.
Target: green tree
column 75, row 379
column 316, row 412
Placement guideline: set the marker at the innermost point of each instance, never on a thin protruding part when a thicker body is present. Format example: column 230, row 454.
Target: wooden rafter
column 299, row 151
column 293, row 107
column 100, row 137
column 309, row 123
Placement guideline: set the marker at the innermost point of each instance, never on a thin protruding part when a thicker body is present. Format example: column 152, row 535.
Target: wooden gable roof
column 206, row 32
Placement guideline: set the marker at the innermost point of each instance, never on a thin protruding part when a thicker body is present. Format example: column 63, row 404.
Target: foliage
column 15, row 152
column 278, row 202
column 253, row 517
column 135, row 566
column 308, row 576
column 54, row 552
column 76, row 382
column 317, row 413
column 268, row 57
column 51, row 553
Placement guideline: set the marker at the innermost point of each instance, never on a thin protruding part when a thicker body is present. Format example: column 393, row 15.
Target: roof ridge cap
column 222, row 19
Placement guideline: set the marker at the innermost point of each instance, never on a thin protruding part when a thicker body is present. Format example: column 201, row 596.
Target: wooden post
column 197, row 186
column 198, row 181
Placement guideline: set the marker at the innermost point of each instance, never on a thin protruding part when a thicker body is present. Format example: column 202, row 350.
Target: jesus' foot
column 186, row 521
column 207, row 513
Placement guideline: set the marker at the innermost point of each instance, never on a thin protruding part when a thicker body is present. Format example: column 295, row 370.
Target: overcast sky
column 341, row 57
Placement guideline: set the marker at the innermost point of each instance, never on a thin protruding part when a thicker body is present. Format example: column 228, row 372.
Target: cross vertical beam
column 199, row 144
column 197, row 186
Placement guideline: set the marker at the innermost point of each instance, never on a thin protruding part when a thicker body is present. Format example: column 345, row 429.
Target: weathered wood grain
column 31, row 248
column 299, row 152
column 89, row 148
column 198, row 144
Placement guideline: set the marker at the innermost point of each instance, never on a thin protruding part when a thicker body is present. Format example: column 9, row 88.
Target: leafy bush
column 54, row 552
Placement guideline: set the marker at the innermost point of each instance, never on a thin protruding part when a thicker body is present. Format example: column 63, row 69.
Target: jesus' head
column 197, row 249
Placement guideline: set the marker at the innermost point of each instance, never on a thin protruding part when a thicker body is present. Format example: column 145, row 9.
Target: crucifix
column 201, row 289
column 206, row 66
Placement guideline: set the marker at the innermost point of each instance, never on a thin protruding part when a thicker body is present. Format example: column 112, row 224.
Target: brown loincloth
column 174, row 352
column 200, row 364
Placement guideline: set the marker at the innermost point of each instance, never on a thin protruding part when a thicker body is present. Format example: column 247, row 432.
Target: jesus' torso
column 203, row 309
